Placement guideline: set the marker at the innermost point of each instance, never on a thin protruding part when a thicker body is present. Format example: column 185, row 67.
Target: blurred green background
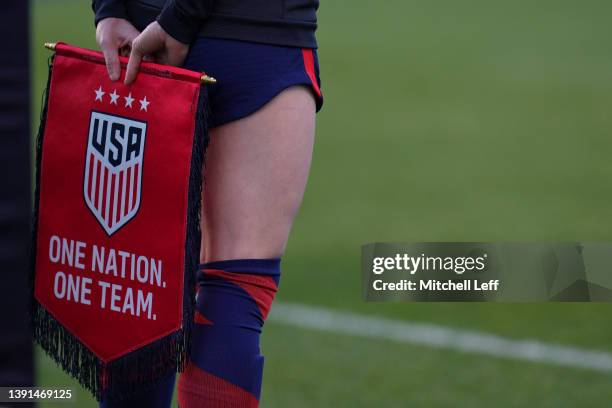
column 443, row 121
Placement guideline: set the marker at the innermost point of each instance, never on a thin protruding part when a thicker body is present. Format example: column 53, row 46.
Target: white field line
column 431, row 335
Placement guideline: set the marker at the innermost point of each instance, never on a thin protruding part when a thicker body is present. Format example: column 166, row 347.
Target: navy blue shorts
column 250, row 74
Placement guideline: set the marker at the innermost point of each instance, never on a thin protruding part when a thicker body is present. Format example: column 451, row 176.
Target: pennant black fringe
column 144, row 368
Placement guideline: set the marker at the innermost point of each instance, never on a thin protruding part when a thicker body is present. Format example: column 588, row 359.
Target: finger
column 111, row 57
column 147, row 43
column 132, row 66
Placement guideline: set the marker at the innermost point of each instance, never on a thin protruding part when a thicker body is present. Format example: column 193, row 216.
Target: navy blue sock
column 226, row 366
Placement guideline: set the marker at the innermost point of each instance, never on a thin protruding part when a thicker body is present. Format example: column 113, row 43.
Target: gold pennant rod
column 205, row 79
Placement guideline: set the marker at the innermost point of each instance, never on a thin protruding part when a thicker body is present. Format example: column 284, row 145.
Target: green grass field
column 443, row 121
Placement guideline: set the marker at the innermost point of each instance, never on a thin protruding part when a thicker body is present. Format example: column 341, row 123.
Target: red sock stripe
column 199, row 389
column 200, row 319
column 260, row 287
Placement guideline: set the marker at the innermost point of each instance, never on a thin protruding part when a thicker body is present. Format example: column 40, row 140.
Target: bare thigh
column 255, row 176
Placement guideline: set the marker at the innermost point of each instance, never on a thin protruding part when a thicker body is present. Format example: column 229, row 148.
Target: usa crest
column 112, row 182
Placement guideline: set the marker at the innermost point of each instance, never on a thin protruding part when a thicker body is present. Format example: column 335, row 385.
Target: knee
column 249, row 231
column 251, row 240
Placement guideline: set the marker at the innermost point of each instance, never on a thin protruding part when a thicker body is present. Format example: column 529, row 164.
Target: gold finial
column 205, row 79
column 50, row 46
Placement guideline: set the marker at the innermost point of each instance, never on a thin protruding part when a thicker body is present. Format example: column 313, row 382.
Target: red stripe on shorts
column 310, row 69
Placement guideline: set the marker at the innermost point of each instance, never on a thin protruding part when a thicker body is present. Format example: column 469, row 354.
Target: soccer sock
column 226, row 367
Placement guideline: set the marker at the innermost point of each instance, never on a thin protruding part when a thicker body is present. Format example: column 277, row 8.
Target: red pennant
column 117, row 234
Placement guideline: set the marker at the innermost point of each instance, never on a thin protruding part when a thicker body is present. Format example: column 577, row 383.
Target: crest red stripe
column 136, row 170
column 90, row 166
column 130, row 200
column 101, row 188
column 93, row 180
column 123, row 196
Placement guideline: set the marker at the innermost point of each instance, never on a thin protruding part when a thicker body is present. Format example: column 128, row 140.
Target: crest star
column 144, row 104
column 128, row 100
column 114, row 96
column 99, row 94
